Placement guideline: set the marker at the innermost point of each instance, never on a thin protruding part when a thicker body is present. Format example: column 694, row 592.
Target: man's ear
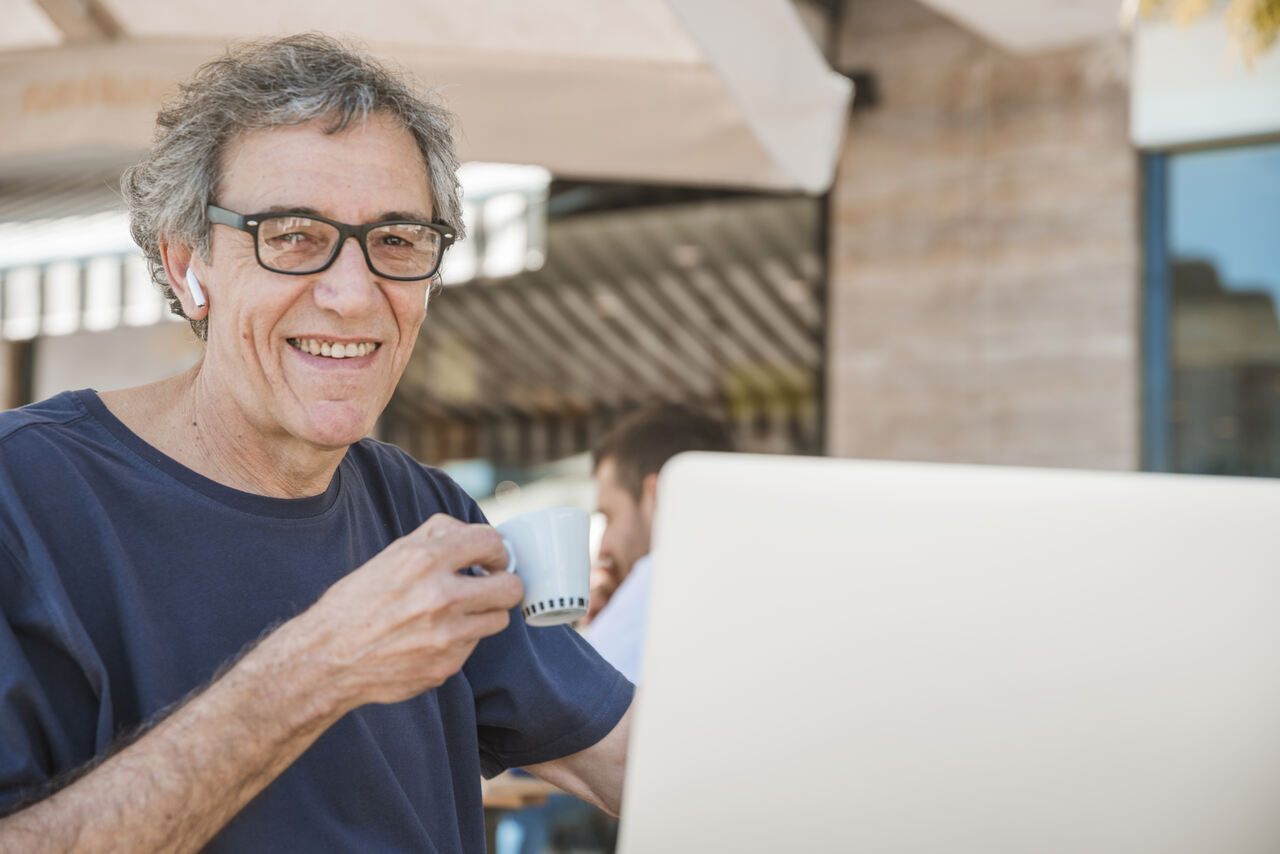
column 649, row 496
column 178, row 260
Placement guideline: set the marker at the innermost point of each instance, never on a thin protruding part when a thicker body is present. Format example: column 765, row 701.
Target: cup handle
column 511, row 560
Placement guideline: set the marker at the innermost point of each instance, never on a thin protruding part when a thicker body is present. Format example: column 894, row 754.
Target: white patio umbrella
column 716, row 92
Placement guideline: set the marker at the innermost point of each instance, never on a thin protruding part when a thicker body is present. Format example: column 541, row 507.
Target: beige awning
column 1035, row 25
column 713, row 92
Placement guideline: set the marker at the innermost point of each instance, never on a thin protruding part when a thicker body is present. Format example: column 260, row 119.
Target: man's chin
column 337, row 426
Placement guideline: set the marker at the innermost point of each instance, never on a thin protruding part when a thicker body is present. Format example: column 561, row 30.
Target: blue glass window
column 1214, row 249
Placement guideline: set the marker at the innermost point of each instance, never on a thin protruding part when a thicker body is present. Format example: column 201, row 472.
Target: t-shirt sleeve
column 541, row 693
column 52, row 718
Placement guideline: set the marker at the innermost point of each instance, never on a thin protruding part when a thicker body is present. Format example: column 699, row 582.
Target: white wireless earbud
column 196, row 293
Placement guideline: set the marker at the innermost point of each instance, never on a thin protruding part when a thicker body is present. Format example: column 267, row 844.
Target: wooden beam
column 82, row 21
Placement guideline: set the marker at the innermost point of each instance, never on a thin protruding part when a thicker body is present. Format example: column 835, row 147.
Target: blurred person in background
column 231, row 622
column 626, row 462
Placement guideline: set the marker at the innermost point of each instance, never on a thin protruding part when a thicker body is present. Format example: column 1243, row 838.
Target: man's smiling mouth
column 333, row 349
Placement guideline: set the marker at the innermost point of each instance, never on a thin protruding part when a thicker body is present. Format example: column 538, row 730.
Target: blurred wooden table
column 510, row 791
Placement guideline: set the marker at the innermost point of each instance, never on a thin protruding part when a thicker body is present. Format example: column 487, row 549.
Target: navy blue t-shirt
column 127, row 579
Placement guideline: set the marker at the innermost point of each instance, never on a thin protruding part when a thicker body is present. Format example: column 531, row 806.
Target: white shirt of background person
column 617, row 632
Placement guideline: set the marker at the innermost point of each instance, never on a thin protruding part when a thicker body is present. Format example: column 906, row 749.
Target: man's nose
column 348, row 285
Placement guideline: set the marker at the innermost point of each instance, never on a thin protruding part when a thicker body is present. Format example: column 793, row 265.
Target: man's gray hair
column 265, row 84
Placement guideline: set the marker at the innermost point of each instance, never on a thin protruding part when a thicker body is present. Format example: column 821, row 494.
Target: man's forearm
column 176, row 786
column 596, row 774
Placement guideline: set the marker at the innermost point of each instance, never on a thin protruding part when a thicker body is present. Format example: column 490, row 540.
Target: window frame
column 1156, row 335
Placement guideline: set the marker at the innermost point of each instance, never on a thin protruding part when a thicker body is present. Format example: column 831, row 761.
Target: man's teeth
column 317, row 347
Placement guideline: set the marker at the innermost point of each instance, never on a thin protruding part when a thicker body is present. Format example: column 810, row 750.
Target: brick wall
column 984, row 251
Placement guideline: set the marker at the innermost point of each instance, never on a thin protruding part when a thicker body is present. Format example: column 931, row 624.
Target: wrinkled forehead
column 321, row 163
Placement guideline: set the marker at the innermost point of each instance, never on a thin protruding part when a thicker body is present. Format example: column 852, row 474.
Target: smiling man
column 231, row 621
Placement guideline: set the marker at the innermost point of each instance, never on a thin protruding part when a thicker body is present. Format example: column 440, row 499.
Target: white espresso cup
column 549, row 550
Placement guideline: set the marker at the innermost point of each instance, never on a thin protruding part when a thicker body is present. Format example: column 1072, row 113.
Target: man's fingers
column 450, row 544
column 438, row 525
column 491, row 554
column 483, row 594
column 488, row 623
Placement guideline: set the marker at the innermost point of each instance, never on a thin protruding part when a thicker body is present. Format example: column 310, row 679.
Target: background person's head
column 268, row 84
column 627, row 460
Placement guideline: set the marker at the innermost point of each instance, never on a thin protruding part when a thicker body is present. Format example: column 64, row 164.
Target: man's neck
column 182, row 418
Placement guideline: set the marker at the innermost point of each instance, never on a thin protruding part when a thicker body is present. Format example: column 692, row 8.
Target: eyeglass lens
column 295, row 244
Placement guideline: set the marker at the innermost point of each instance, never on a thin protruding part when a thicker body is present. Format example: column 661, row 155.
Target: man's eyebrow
column 294, row 209
column 389, row 216
column 385, row 216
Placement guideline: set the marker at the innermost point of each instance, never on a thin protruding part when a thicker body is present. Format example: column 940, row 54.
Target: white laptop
column 919, row 659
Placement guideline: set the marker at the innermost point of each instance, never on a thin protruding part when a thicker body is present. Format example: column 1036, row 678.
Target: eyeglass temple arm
column 222, row 216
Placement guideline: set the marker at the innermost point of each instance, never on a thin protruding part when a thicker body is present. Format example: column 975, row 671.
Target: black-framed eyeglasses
column 298, row 244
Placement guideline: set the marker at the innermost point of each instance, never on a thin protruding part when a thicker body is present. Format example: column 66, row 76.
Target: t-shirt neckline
column 248, row 502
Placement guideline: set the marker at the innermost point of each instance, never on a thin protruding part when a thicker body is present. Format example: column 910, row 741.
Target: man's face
column 363, row 174
column 628, row 522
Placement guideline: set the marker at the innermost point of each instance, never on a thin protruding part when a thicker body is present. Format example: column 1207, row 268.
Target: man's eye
column 294, row 233
column 393, row 240
column 297, row 239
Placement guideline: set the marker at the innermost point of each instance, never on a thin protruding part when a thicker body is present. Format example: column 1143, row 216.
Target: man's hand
column 604, row 581
column 407, row 620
